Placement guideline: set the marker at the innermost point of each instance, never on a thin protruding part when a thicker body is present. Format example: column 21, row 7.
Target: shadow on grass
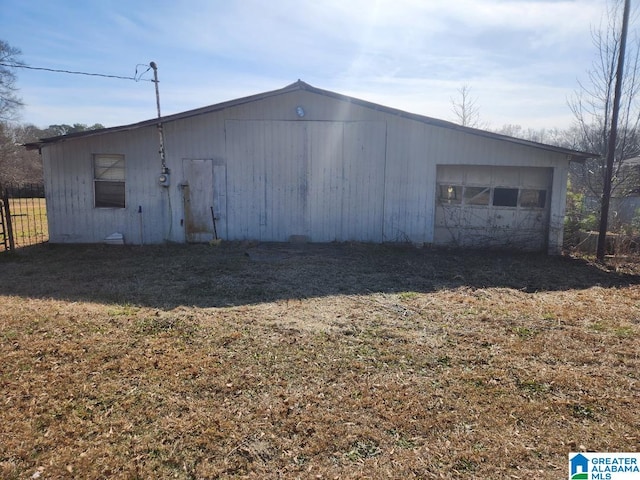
column 231, row 274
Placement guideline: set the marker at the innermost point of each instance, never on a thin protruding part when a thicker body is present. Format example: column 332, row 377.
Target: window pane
column 505, row 197
column 109, row 194
column 450, row 194
column 109, row 167
column 533, row 198
column 476, row 195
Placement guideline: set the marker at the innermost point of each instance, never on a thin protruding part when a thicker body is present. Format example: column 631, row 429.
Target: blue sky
column 522, row 59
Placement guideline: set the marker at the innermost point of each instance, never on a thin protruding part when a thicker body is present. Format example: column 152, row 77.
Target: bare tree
column 465, row 108
column 10, row 103
column 550, row 136
column 592, row 106
column 18, row 165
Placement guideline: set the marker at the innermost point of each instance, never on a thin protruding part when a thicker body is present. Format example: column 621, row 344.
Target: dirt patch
column 321, row 361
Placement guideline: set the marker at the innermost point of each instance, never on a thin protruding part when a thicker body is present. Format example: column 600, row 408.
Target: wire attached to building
column 136, row 78
column 164, row 177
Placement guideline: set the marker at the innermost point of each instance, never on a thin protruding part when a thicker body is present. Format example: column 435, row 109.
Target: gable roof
column 300, row 85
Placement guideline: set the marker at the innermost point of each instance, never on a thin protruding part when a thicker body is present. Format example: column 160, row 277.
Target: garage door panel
column 505, row 177
column 447, row 216
column 505, row 219
column 475, row 218
column 493, row 207
column 530, row 220
column 452, row 174
column 535, row 177
column 476, row 175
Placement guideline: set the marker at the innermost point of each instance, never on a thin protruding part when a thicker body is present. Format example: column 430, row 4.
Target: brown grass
column 313, row 361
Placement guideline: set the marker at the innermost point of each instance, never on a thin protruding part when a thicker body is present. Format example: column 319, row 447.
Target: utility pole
column 611, row 149
column 164, row 170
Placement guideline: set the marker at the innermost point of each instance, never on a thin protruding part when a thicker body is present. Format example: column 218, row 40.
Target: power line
column 137, row 78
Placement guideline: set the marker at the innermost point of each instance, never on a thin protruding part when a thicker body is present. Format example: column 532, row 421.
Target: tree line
column 19, row 166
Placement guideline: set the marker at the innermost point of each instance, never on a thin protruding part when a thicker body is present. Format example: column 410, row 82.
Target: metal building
column 305, row 163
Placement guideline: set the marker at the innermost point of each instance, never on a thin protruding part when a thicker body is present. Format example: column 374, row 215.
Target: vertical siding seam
column 343, row 163
column 384, row 184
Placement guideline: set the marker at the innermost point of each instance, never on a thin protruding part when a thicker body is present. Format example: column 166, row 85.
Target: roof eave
column 167, row 118
column 575, row 154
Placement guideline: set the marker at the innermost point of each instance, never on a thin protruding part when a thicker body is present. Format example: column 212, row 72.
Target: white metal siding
column 321, row 180
column 70, row 198
column 327, row 180
column 343, row 172
column 407, row 215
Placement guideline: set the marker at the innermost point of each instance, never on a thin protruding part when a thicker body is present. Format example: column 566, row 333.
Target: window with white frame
column 108, row 181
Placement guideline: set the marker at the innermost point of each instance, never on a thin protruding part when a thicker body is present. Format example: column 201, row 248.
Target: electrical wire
column 139, row 77
column 136, row 78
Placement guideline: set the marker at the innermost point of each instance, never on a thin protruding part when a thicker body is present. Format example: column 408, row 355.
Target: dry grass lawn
column 313, row 361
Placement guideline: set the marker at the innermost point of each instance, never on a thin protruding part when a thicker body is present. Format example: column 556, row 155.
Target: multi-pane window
column 108, row 175
column 497, row 196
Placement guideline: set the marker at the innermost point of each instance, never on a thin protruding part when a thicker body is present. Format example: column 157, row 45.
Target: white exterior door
column 204, row 197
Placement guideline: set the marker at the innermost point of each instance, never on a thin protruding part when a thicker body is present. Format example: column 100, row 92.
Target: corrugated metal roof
column 300, row 85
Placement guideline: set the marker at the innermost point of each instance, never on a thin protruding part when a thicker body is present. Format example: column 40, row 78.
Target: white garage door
column 482, row 206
